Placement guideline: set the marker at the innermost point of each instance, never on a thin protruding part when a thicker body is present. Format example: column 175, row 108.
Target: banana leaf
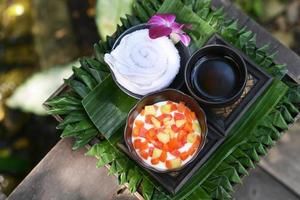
column 107, row 107
column 240, row 133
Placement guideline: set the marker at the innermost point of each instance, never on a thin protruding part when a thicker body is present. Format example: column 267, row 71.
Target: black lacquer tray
column 220, row 122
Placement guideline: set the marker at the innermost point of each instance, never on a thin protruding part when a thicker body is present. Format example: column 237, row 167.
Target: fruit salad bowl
column 175, row 158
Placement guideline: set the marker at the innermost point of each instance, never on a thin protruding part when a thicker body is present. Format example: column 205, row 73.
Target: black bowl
column 216, row 75
column 164, row 95
column 184, row 54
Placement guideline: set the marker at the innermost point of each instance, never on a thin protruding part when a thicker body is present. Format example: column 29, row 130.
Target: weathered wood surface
column 65, row 174
column 283, row 161
column 262, row 186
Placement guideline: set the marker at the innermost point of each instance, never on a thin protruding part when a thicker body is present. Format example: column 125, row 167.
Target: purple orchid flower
column 165, row 25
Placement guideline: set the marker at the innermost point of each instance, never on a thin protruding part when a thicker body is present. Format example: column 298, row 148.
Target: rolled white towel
column 143, row 65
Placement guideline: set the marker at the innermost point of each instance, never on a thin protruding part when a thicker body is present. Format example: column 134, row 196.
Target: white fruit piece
column 163, row 137
column 156, row 153
column 150, row 110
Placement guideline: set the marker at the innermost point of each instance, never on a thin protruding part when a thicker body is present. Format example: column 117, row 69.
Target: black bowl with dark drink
column 216, row 75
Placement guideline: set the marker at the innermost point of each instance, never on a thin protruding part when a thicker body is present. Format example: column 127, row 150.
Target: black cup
column 216, row 75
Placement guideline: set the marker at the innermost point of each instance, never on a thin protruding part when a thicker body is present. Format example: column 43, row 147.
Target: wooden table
column 66, row 174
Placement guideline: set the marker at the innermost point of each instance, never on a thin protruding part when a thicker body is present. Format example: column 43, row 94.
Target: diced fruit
column 181, row 107
column 173, row 107
column 156, row 153
column 143, row 132
column 155, row 161
column 175, row 153
column 168, row 122
column 174, row 128
column 138, row 144
column 139, row 123
column 180, row 123
column 163, row 137
column 164, row 116
column 135, row 131
column 173, row 144
column 148, row 119
column 171, row 133
column 192, row 150
column 156, row 122
column 152, row 132
column 144, row 154
column 143, row 112
column 157, row 144
column 178, row 116
column 174, row 163
column 191, row 138
column 151, row 149
column 182, row 136
column 150, row 110
column 196, row 127
column 193, row 116
column 184, row 155
column 188, row 127
column 166, row 109
column 163, row 156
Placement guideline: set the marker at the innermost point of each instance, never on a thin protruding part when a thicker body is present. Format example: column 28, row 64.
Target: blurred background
column 40, row 40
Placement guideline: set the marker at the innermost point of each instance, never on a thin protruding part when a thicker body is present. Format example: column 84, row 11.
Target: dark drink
column 215, row 78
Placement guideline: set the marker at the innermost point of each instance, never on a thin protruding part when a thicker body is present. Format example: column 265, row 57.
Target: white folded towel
column 143, row 65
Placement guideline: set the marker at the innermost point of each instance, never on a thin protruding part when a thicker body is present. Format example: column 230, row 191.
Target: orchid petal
column 159, row 31
column 185, row 39
column 162, row 19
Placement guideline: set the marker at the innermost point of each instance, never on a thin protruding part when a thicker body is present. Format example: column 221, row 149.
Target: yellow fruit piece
column 196, row 127
column 180, row 123
column 156, row 153
column 155, row 122
column 176, row 163
column 163, row 137
column 166, row 109
column 150, row 110
column 191, row 138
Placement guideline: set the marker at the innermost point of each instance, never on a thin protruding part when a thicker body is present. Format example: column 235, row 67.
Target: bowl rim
column 133, row 153
column 225, row 101
column 117, row 42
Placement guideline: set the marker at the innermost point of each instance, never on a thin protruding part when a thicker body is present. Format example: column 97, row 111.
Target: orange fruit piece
column 163, row 156
column 138, row 144
column 139, row 123
column 181, row 107
column 143, row 112
column 135, row 131
column 175, row 153
column 184, row 155
column 173, row 107
column 188, row 127
column 169, row 164
column 174, row 128
column 172, row 144
column 148, row 119
column 178, row 116
column 155, row 161
column 143, row 132
column 144, row 154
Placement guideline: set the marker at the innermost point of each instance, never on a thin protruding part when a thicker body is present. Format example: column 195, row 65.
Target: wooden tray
column 220, row 122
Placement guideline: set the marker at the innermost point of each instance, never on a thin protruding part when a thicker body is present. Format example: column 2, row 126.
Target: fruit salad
column 166, row 135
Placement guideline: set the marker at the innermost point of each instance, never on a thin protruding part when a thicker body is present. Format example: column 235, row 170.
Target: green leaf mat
column 94, row 107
